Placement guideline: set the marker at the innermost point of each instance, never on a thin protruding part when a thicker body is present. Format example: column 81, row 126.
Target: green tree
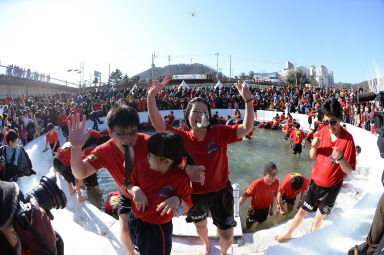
column 301, row 78
column 115, row 77
column 251, row 76
column 313, row 81
column 291, row 77
column 243, row 76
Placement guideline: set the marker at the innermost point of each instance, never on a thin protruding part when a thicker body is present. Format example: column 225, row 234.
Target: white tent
column 183, row 85
column 219, row 85
column 133, row 88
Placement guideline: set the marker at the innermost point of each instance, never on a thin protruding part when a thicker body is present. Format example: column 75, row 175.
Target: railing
column 20, row 73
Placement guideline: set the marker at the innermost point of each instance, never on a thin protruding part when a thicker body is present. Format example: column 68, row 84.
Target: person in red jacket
column 171, row 118
column 62, row 120
column 292, row 185
column 297, row 136
column 334, row 151
column 263, row 193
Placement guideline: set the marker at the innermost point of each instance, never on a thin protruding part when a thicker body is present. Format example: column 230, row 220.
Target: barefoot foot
column 205, row 249
column 282, row 238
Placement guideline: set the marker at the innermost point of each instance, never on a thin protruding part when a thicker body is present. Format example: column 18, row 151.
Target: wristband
column 180, row 201
column 338, row 160
column 249, row 100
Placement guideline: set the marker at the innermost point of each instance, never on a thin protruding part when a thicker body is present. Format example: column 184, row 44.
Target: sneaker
column 361, row 249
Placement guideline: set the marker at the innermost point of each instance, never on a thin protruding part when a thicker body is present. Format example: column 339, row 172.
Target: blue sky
column 52, row 36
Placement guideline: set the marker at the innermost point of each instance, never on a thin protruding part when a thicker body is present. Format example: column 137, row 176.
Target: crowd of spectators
column 19, row 72
column 29, row 116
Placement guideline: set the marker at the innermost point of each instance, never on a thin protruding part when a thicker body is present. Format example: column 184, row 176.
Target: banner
column 189, row 77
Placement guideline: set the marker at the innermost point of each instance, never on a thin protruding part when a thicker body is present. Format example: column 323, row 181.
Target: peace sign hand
column 157, row 86
column 244, row 91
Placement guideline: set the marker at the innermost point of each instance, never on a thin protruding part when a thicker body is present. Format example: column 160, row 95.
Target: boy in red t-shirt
column 263, row 194
column 292, row 185
column 334, row 151
column 52, row 138
column 297, row 136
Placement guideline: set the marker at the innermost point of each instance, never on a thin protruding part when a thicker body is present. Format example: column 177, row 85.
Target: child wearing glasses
column 160, row 190
column 263, row 193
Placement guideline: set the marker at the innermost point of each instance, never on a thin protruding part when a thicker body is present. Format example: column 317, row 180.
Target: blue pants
column 149, row 238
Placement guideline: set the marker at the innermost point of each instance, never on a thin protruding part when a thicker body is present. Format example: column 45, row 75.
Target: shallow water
column 246, row 161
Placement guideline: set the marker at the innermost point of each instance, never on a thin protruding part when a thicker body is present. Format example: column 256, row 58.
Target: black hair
column 189, row 108
column 332, row 107
column 358, row 149
column 122, row 116
column 50, row 126
column 169, row 145
column 297, row 182
column 297, row 125
column 11, row 136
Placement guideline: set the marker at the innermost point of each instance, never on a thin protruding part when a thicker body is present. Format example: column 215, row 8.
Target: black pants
column 150, row 238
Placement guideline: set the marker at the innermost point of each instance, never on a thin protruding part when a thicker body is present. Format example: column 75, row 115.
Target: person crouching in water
column 334, row 151
column 263, row 192
column 292, row 185
column 52, row 138
column 160, row 190
column 62, row 164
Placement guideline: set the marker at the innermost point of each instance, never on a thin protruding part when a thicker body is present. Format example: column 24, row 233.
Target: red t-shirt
column 62, row 119
column 288, row 130
column 310, row 135
column 261, row 193
column 96, row 135
column 282, row 118
column 109, row 156
column 285, row 187
column 324, row 172
column 158, row 187
column 52, row 138
column 112, row 199
column 171, row 118
column 297, row 136
column 64, row 153
column 210, row 152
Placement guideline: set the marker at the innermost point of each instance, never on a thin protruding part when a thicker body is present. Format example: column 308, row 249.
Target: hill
column 176, row 69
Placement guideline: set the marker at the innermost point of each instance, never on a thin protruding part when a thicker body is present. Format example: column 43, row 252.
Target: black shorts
column 57, row 146
column 65, row 171
column 125, row 205
column 148, row 238
column 219, row 203
column 309, row 120
column 91, row 181
column 259, row 215
column 290, row 201
column 320, row 197
column 297, row 148
column 65, row 130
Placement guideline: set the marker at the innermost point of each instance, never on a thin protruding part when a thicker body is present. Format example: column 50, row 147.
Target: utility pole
column 153, row 63
column 217, row 64
column 169, row 64
column 230, row 67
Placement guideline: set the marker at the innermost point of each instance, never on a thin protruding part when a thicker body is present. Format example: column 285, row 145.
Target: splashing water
column 376, row 84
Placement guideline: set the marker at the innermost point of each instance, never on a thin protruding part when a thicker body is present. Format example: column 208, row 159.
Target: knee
column 302, row 212
column 226, row 235
column 201, row 224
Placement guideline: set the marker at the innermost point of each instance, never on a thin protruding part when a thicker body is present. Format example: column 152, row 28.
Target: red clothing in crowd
column 261, row 193
column 109, row 156
column 97, row 106
column 64, row 153
column 297, row 136
column 171, row 118
column 96, row 135
column 52, row 139
column 285, row 187
column 62, row 120
column 158, row 187
column 210, row 152
column 324, row 172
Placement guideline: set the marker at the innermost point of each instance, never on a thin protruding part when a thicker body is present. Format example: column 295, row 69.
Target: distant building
column 320, row 74
column 270, row 77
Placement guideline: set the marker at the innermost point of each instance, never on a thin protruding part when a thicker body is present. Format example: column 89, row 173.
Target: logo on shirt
column 212, row 147
column 273, row 193
column 113, row 200
column 92, row 157
column 247, row 191
column 298, row 134
column 165, row 192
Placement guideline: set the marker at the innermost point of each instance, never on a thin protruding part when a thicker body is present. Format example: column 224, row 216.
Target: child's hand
column 140, row 200
column 45, row 149
column 168, row 206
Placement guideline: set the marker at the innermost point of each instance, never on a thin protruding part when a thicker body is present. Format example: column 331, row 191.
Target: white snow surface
column 87, row 230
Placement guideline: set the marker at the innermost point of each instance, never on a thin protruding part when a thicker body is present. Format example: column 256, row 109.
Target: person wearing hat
column 263, row 193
